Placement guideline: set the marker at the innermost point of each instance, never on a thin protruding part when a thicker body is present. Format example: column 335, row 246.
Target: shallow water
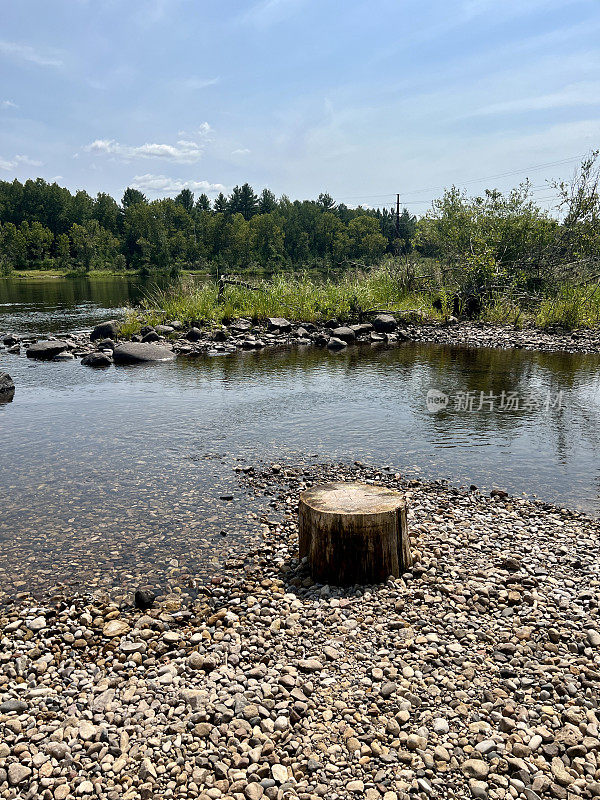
column 109, row 476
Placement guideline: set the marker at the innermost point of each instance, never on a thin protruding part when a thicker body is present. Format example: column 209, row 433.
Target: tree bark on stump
column 353, row 533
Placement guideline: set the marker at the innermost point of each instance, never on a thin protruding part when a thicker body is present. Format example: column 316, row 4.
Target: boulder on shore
column 141, row 353
column 335, row 344
column 344, row 333
column 105, row 330
column 7, row 388
column 194, row 335
column 279, row 324
column 45, row 351
column 384, row 323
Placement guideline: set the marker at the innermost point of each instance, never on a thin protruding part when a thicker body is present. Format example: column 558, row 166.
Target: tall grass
column 572, row 307
column 300, row 298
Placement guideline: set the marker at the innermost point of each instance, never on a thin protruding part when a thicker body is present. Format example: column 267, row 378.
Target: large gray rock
column 46, row 351
column 7, row 388
column 335, row 344
column 141, row 353
column 384, row 323
column 105, row 330
column 279, row 324
column 346, row 334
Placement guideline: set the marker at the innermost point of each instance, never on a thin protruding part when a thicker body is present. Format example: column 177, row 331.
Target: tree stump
column 353, row 533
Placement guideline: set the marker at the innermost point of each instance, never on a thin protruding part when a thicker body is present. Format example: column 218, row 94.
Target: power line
column 507, row 174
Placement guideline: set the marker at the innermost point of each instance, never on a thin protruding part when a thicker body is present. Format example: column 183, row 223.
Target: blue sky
column 361, row 99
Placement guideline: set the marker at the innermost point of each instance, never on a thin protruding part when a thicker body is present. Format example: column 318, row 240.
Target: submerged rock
column 141, row 352
column 144, row 598
column 7, row 388
column 46, row 351
column 96, row 360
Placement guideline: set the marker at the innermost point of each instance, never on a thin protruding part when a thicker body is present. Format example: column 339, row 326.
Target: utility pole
column 397, row 216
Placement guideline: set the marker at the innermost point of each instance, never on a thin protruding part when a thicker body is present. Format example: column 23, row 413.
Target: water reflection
column 45, row 304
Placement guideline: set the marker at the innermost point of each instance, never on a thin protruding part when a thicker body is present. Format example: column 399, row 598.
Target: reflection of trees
column 36, row 304
column 405, row 373
column 42, row 293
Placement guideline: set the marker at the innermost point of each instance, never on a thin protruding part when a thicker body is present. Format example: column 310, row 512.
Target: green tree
column 243, row 201
column 38, row 241
column 108, row 213
column 203, row 203
column 132, row 197
column 93, row 246
column 237, row 248
column 326, row 201
column 267, row 202
column 185, row 198
column 267, row 238
column 62, row 247
column 366, row 239
column 221, row 206
column 14, row 247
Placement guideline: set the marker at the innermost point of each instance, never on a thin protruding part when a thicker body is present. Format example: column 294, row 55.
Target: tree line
column 476, row 243
column 45, row 226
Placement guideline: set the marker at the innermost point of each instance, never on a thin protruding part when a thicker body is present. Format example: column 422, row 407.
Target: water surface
column 109, row 476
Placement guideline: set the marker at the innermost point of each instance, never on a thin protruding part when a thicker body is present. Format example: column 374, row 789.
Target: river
column 120, row 472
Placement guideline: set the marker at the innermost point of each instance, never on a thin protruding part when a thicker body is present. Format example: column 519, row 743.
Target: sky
column 359, row 99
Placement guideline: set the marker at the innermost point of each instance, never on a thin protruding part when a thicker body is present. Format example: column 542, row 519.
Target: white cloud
column 269, row 12
column 198, row 83
column 8, row 104
column 24, row 52
column 582, row 94
column 242, row 151
column 18, row 161
column 162, row 184
column 184, row 151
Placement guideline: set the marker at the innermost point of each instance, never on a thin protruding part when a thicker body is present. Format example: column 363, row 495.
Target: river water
column 118, row 474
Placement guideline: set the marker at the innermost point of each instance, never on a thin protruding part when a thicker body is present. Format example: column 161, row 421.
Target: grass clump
column 572, row 307
column 299, row 298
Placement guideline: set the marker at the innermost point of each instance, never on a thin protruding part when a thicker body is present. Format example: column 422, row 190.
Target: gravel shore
column 164, row 342
column 476, row 674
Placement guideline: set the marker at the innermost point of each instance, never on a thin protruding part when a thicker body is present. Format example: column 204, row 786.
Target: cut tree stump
column 353, row 533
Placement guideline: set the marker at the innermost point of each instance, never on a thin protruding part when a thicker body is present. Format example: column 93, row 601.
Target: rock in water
column 384, row 323
column 105, row 330
column 7, row 388
column 96, row 360
column 335, row 344
column 141, row 353
column 45, row 351
column 144, row 598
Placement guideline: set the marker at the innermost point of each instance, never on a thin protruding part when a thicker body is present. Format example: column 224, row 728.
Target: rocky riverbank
column 476, row 674
column 105, row 345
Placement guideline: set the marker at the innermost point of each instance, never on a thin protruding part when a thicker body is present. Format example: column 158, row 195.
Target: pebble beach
column 476, row 674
